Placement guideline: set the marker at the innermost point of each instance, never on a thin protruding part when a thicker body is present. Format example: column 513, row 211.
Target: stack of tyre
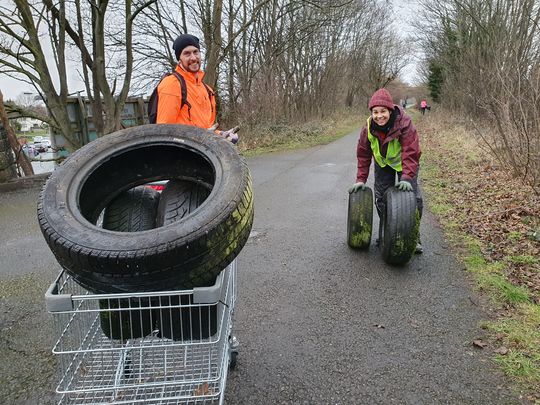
column 398, row 227
column 113, row 233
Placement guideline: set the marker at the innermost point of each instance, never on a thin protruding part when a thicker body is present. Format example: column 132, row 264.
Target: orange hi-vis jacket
column 170, row 110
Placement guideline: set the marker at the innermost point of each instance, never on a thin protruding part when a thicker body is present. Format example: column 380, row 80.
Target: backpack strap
column 210, row 95
column 183, row 92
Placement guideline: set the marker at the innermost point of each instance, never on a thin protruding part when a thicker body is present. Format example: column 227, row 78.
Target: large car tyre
column 178, row 199
column 399, row 227
column 182, row 322
column 134, row 210
column 360, row 218
column 183, row 254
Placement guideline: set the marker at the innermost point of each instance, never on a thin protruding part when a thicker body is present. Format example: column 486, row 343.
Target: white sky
column 405, row 11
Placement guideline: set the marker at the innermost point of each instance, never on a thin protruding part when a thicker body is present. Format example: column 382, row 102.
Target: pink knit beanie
column 381, row 98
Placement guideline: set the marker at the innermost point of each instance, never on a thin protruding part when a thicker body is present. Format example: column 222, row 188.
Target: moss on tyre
column 190, row 252
column 399, row 227
column 360, row 218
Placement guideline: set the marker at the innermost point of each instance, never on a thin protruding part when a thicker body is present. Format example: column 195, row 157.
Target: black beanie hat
column 182, row 41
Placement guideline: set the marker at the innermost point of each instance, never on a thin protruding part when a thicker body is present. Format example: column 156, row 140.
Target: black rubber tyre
column 183, row 254
column 190, row 322
column 360, row 219
column 126, row 318
column 399, row 227
column 178, row 199
column 134, row 210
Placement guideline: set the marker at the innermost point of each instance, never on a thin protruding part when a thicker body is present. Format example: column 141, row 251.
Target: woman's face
column 380, row 115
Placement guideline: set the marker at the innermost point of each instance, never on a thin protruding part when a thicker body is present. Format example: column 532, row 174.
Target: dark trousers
column 385, row 177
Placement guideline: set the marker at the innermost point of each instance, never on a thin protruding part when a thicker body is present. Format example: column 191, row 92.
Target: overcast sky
column 405, row 10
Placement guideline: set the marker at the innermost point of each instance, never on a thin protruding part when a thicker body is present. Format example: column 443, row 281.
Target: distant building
column 27, row 124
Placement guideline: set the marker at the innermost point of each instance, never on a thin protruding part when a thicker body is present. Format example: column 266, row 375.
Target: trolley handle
column 56, row 302
column 209, row 295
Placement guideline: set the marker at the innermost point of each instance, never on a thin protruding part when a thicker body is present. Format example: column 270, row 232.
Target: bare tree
column 73, row 28
column 487, row 56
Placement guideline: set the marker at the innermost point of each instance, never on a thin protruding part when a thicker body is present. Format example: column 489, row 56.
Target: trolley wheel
column 232, row 360
column 233, row 347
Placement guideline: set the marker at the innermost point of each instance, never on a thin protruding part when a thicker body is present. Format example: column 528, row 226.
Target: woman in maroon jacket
column 389, row 137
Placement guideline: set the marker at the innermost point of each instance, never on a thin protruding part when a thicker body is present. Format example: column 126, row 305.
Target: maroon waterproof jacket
column 404, row 130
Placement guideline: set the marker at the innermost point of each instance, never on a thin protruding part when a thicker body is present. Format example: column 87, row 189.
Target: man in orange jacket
column 200, row 107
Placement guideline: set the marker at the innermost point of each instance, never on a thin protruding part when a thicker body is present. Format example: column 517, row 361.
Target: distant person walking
column 389, row 138
column 423, row 106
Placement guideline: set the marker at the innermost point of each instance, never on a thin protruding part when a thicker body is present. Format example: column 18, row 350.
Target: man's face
column 380, row 115
column 190, row 59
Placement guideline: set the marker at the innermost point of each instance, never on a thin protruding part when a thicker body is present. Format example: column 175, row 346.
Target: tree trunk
column 22, row 160
column 214, row 42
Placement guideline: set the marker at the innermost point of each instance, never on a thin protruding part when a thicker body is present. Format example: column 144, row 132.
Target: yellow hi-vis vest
column 393, row 153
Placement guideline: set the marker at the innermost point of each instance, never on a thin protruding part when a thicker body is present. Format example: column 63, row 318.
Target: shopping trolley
column 166, row 347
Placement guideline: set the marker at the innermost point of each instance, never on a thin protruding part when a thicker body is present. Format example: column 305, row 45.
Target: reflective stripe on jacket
column 203, row 107
column 405, row 133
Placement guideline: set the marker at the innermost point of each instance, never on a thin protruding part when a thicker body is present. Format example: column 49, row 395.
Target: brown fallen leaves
column 202, row 390
column 488, row 202
column 479, row 343
column 501, row 350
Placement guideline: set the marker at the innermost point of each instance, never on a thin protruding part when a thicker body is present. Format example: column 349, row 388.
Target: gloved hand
column 404, row 185
column 231, row 134
column 357, row 186
column 213, row 127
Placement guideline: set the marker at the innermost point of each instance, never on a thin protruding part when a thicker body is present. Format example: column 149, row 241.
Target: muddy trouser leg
column 385, row 177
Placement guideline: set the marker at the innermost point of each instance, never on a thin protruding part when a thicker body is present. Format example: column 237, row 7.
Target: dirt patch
column 27, row 367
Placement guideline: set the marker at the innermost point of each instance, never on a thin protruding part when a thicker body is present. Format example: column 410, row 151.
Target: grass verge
column 280, row 137
column 492, row 220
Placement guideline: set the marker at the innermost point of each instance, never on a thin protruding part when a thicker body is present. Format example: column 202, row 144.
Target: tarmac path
column 318, row 323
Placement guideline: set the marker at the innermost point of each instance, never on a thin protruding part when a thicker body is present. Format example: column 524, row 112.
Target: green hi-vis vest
column 393, row 154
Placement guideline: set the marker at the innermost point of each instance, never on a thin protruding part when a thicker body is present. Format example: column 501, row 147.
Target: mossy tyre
column 184, row 254
column 134, row 210
column 360, row 218
column 399, row 226
column 183, row 321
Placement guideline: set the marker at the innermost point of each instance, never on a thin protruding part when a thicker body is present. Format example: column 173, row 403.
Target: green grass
column 518, row 326
column 503, row 291
column 282, row 137
column 522, row 338
column 514, row 235
column 523, row 259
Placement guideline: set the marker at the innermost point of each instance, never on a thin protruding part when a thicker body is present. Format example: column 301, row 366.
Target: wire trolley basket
column 166, row 347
